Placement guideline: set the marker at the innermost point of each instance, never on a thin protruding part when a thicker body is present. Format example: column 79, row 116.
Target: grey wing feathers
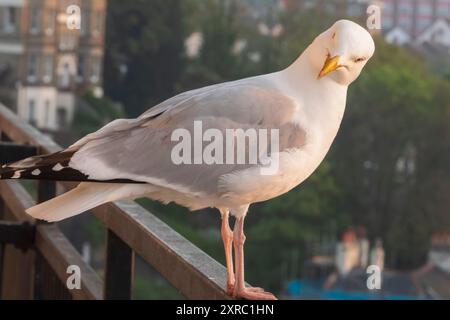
column 142, row 151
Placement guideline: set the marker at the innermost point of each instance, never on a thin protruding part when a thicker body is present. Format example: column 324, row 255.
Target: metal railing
column 34, row 256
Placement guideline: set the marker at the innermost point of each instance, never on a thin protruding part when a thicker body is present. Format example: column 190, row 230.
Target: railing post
column 18, row 269
column 119, row 269
column 46, row 190
column 2, row 208
column 46, row 283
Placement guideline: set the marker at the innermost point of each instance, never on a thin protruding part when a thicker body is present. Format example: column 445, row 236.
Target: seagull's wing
column 143, row 153
column 139, row 150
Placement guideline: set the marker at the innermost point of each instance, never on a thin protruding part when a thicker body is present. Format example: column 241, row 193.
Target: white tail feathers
column 85, row 196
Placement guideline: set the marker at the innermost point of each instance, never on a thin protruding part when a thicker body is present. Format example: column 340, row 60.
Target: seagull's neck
column 321, row 101
column 303, row 74
column 300, row 80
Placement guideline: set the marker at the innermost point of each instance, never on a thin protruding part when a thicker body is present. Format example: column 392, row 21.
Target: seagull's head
column 341, row 52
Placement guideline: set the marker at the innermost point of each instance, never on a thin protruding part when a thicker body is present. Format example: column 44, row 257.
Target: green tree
column 143, row 60
column 220, row 25
column 385, row 157
column 92, row 113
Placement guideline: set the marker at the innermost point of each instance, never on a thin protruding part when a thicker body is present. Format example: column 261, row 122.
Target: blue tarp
column 306, row 289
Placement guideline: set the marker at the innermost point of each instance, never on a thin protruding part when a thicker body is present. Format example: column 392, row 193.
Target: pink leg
column 240, row 291
column 227, row 238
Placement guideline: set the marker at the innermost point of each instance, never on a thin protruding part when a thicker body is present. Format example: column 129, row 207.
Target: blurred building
column 354, row 252
column 421, row 24
column 53, row 54
column 415, row 23
column 439, row 254
column 342, row 273
column 414, row 16
column 343, row 8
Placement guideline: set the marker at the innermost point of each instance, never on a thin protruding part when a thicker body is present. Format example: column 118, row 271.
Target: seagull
column 133, row 158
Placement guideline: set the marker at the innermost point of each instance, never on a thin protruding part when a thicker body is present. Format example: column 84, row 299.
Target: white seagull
column 131, row 158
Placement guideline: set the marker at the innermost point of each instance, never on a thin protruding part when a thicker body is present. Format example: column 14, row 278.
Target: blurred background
column 381, row 197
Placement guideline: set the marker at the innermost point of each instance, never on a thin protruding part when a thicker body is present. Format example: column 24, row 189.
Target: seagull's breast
column 319, row 117
column 295, row 166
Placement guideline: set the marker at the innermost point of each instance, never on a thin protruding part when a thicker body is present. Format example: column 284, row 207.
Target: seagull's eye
column 358, row 60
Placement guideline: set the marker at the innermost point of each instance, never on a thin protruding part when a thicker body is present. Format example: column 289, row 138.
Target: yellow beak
column 331, row 65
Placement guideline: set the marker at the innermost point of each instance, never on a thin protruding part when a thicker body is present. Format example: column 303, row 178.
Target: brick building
column 52, row 54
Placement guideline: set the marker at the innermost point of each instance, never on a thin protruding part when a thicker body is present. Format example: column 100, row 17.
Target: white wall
column 66, row 100
column 45, row 117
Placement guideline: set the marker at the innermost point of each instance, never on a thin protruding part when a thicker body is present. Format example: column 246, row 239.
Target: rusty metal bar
column 119, row 269
column 10, row 151
column 2, row 246
column 51, row 243
column 17, row 270
column 194, row 273
column 20, row 234
column 46, row 282
column 60, row 254
column 47, row 286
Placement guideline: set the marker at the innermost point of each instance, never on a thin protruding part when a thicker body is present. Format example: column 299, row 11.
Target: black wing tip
column 52, row 167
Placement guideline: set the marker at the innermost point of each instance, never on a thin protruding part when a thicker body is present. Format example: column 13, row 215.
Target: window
column 34, row 21
column 406, row 7
column 32, row 68
column 425, row 9
column 388, row 23
column 67, row 41
column 84, row 22
column 388, row 8
column 9, row 19
column 355, row 10
column 443, row 8
column 47, row 113
column 61, row 115
column 95, row 70
column 80, row 68
column 98, row 23
column 32, row 111
column 64, row 78
column 48, row 69
column 51, row 22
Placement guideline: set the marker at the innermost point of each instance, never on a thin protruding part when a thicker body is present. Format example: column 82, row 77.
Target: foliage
column 92, row 113
column 144, row 58
column 153, row 289
column 389, row 158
